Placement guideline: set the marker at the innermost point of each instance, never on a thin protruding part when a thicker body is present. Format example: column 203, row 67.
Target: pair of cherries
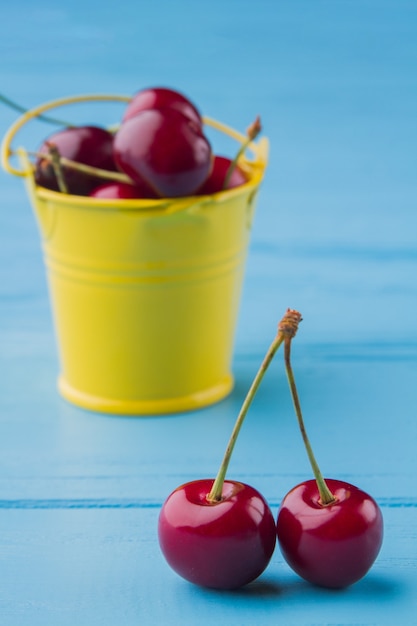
column 222, row 534
column 160, row 148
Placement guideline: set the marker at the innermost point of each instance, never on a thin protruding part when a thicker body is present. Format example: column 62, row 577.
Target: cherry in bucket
column 122, row 191
column 165, row 149
column 86, row 145
column 160, row 98
column 221, row 533
column 217, row 179
column 226, row 173
column 329, row 531
column 160, row 149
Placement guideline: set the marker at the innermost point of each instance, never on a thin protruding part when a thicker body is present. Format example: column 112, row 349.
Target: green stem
column 326, row 496
column 44, row 118
column 252, row 132
column 215, row 494
column 56, row 164
column 86, row 169
column 234, row 163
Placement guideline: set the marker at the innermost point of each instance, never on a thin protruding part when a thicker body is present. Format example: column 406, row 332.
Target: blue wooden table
column 334, row 236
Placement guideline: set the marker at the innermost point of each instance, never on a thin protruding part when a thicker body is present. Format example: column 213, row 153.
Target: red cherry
column 331, row 545
column 166, row 150
column 222, row 545
column 159, row 98
column 215, row 181
column 220, row 533
column 89, row 145
column 329, row 531
column 120, row 191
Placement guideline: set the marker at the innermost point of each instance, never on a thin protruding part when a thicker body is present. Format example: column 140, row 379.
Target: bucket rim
column 152, row 205
column 142, row 204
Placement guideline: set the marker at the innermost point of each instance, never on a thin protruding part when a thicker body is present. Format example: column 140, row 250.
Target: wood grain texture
column 335, row 236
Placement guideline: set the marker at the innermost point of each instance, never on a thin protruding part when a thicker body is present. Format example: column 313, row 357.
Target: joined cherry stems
column 287, row 326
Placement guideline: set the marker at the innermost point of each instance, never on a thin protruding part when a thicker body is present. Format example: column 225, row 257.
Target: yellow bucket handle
column 259, row 149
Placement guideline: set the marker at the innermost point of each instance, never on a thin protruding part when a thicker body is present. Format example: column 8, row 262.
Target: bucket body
column 145, row 294
column 145, row 303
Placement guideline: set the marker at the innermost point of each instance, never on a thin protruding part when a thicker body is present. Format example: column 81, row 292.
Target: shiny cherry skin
column 122, row 191
column 215, row 181
column 89, row 145
column 159, row 98
column 221, row 545
column 166, row 150
column 334, row 545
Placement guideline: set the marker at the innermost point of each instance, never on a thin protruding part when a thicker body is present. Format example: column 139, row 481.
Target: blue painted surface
column 335, row 236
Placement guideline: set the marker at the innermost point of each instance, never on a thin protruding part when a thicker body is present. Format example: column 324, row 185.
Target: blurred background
column 335, row 236
column 335, row 84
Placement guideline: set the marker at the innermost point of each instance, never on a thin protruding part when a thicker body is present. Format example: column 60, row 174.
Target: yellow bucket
column 144, row 293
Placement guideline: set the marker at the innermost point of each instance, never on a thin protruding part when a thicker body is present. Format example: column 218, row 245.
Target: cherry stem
column 326, row 496
column 56, row 164
column 86, row 169
column 44, row 118
column 251, row 133
column 215, row 494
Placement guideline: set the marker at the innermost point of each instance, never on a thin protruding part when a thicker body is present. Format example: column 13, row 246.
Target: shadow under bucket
column 145, row 293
